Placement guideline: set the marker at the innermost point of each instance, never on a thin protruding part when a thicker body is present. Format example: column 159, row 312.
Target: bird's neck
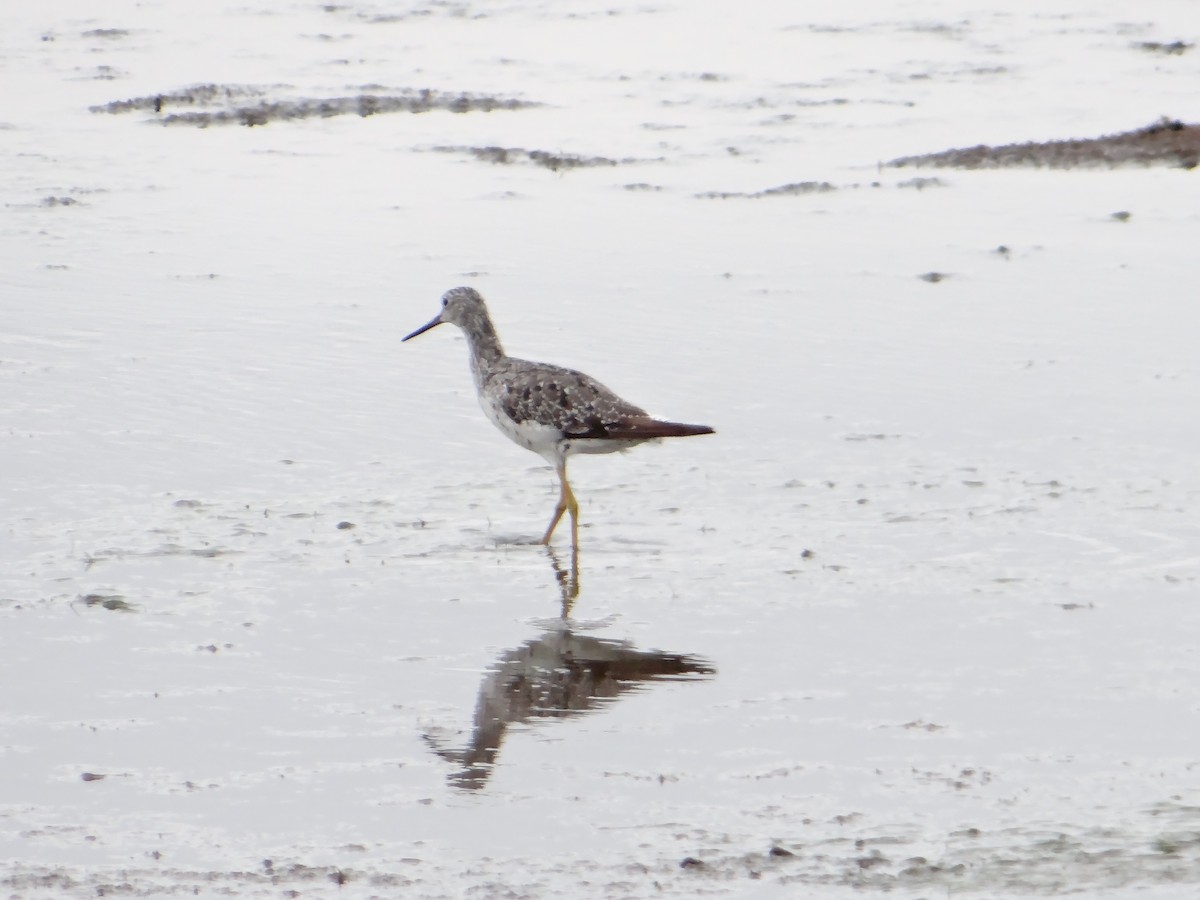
column 486, row 351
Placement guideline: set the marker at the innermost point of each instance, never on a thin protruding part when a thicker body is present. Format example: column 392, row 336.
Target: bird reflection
column 556, row 675
column 568, row 579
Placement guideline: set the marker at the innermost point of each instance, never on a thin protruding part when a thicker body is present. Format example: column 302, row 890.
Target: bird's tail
column 649, row 429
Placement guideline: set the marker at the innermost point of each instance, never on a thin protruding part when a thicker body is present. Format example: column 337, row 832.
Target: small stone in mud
column 343, row 526
column 875, row 858
column 781, row 852
column 690, row 862
column 1122, row 215
column 934, row 277
column 92, row 776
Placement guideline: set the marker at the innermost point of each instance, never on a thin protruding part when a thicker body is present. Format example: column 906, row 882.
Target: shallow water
column 921, row 614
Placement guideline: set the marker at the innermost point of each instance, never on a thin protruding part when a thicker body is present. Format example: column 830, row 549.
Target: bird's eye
column 445, row 303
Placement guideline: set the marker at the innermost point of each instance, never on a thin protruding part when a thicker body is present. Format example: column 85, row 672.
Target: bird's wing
column 562, row 398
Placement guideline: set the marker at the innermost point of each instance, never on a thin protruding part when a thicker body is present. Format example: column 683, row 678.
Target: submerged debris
column 253, row 105
column 1166, row 141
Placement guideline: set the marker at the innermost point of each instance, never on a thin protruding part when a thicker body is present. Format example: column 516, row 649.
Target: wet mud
column 1168, row 141
column 1009, row 862
column 1046, row 862
column 273, row 622
column 217, row 104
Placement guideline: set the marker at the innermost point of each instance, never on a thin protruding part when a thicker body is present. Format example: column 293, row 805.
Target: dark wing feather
column 559, row 397
column 578, row 404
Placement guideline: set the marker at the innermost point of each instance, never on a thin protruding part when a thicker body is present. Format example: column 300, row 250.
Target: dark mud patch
column 921, row 184
column 163, row 550
column 286, row 879
column 1174, row 48
column 51, row 202
column 1168, row 141
column 107, row 34
column 111, row 602
column 798, row 188
column 445, row 8
column 216, row 104
column 199, row 95
column 555, row 162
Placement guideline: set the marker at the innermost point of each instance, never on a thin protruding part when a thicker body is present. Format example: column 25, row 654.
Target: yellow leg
column 566, row 503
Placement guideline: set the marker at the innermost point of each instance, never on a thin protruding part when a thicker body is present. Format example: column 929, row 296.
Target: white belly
column 541, row 439
column 545, row 440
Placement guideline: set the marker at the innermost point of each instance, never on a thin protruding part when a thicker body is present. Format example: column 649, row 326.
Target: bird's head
column 459, row 306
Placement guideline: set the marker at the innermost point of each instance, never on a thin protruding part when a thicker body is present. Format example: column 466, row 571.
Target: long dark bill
column 437, row 320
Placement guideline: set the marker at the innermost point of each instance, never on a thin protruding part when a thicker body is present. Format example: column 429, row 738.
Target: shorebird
column 553, row 411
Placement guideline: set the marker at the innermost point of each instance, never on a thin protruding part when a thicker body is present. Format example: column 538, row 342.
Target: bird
column 554, row 411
